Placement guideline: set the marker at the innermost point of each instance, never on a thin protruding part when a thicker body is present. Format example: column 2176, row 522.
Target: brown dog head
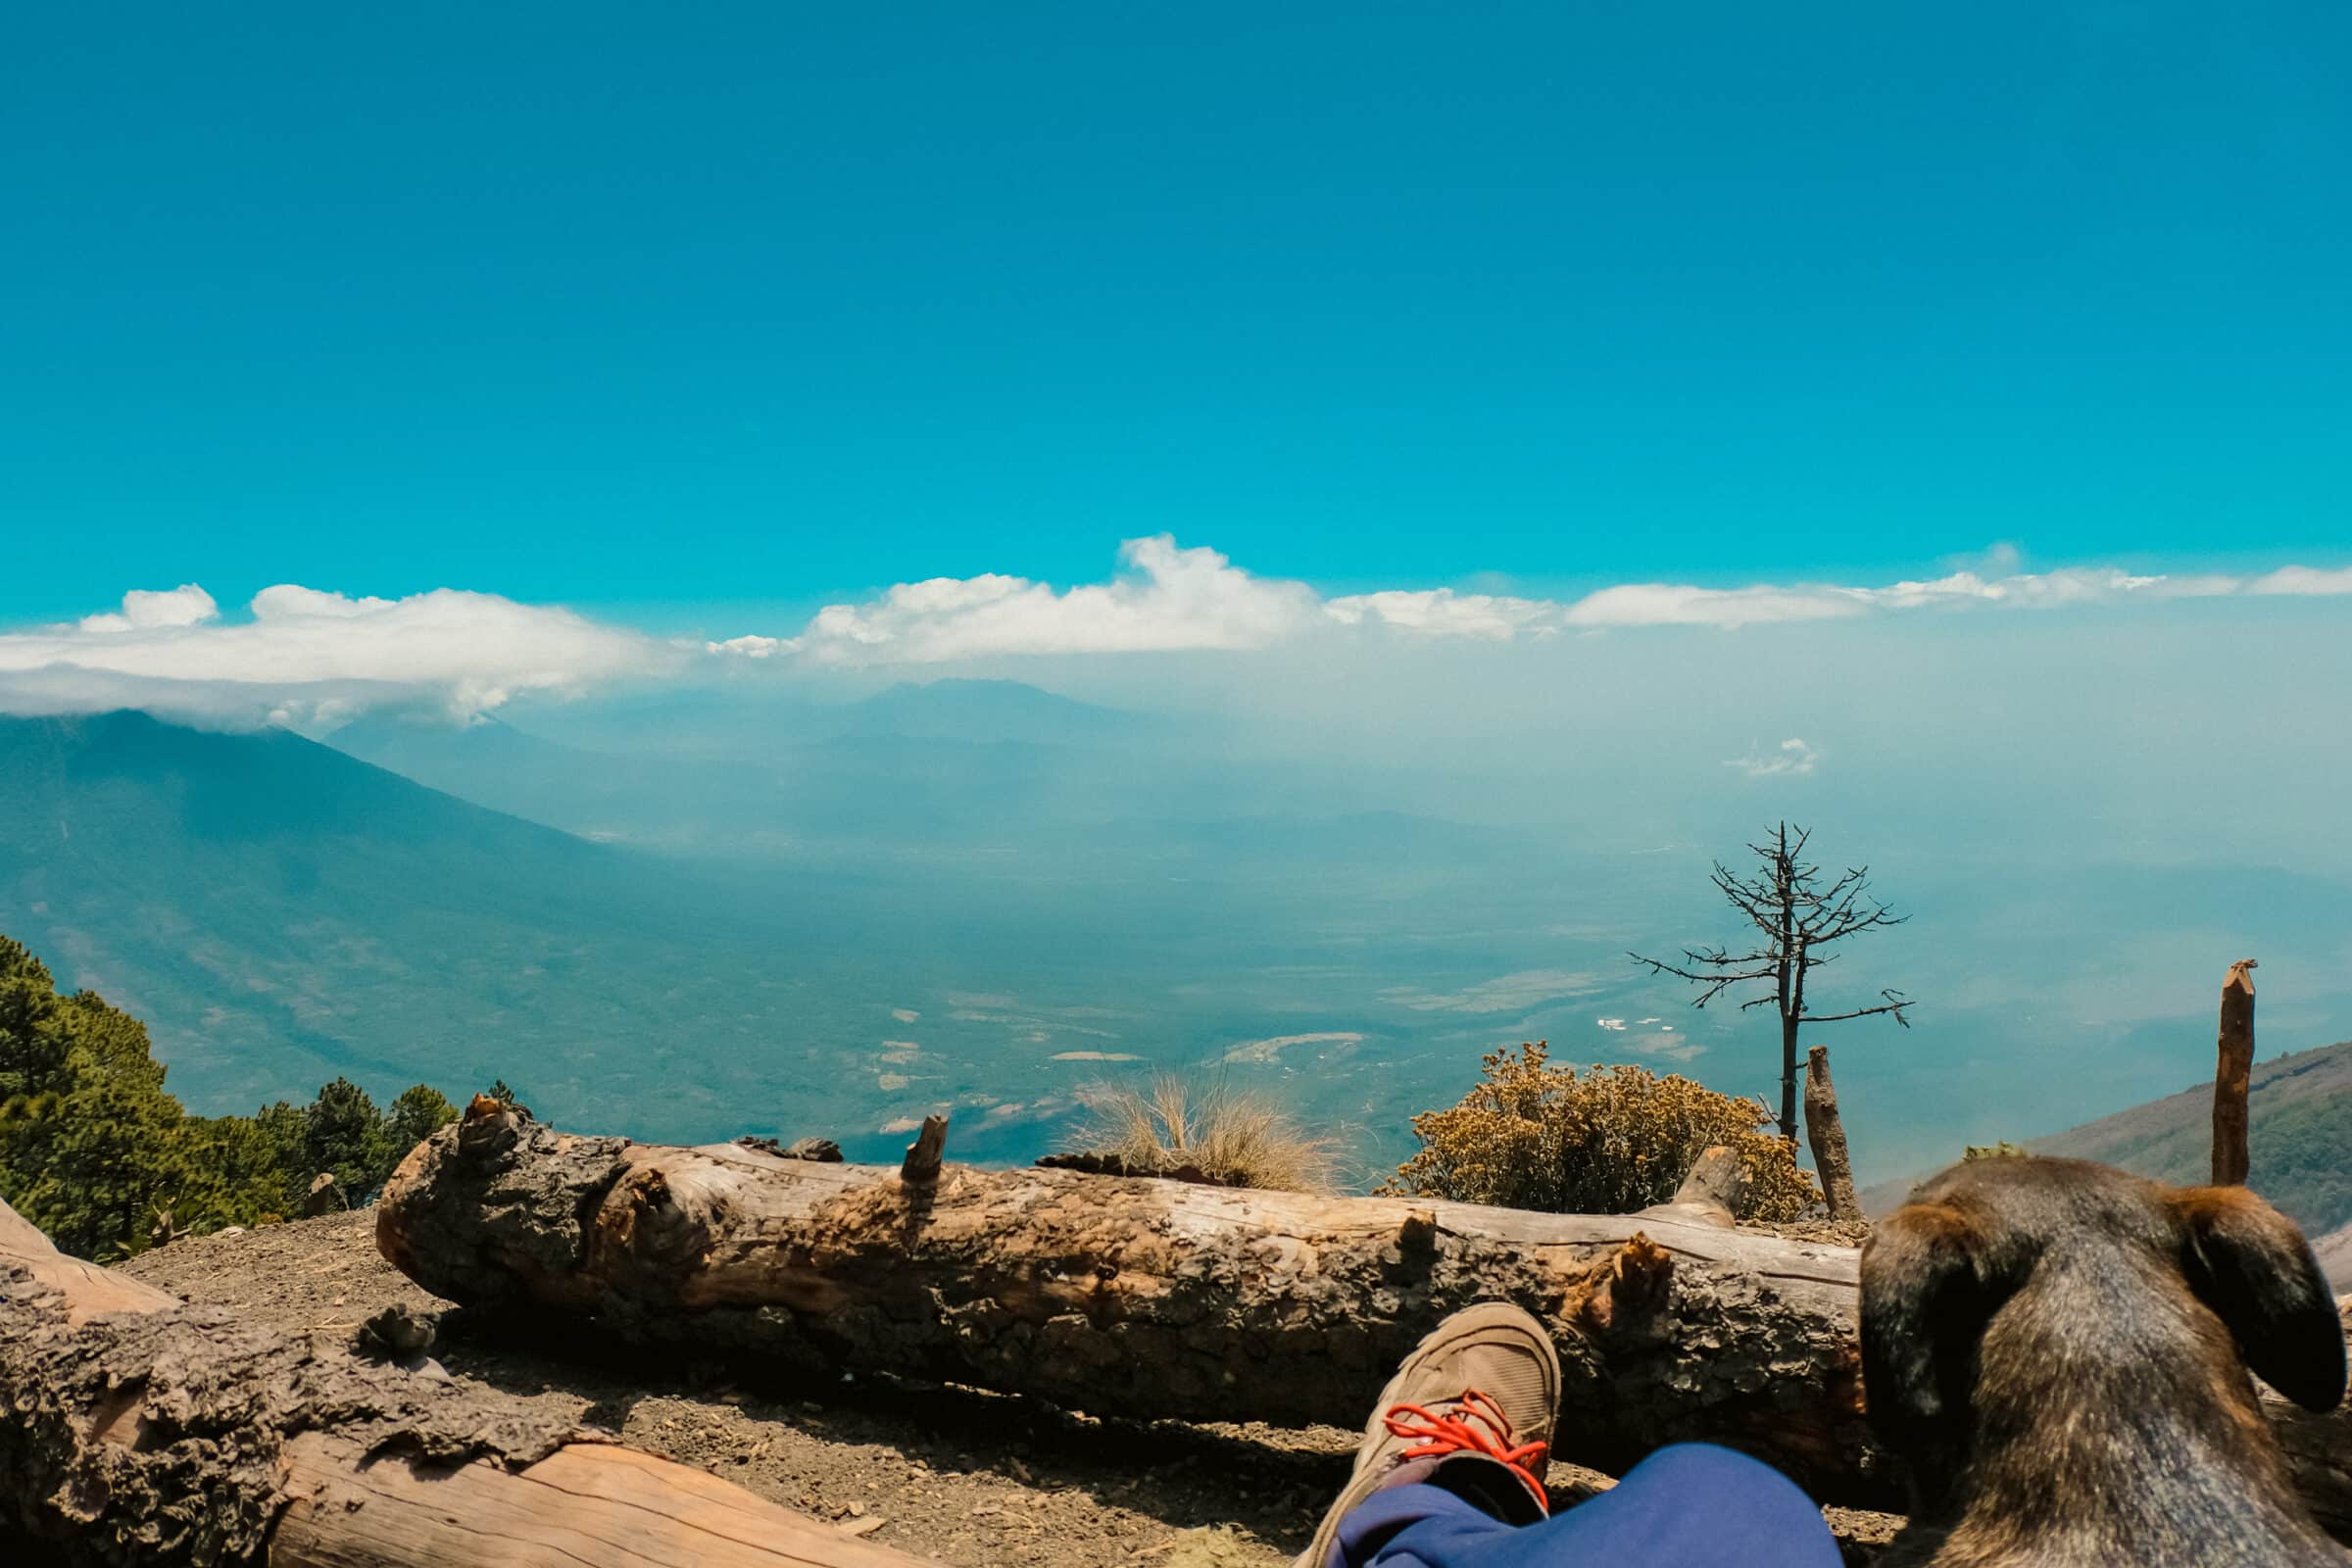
column 2005, row 1286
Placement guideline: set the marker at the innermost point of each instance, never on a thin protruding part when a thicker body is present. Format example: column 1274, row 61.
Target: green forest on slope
column 2299, row 1135
column 95, row 1152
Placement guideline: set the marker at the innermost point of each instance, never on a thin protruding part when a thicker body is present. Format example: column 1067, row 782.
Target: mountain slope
column 281, row 913
column 998, row 924
column 2300, row 1138
column 642, row 797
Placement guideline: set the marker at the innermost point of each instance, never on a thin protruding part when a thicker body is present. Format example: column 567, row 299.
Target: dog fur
column 2058, row 1351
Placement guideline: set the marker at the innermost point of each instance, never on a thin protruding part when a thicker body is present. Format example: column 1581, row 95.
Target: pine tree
column 343, row 1136
column 91, row 1147
column 278, row 1128
column 241, row 1171
column 94, row 1151
column 418, row 1112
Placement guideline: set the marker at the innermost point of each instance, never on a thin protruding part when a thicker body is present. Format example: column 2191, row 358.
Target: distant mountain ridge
column 964, row 710
column 2300, row 1138
column 281, row 913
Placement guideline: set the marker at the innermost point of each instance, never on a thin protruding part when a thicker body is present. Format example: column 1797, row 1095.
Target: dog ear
column 2249, row 1263
column 1924, row 1309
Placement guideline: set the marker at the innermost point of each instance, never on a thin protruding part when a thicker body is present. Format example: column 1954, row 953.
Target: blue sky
column 635, row 309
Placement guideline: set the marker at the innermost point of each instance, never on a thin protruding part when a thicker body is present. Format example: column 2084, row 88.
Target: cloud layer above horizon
column 309, row 657
column 1170, row 598
column 306, row 657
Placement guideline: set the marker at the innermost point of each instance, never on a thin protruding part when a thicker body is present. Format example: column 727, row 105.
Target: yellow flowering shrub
column 1607, row 1141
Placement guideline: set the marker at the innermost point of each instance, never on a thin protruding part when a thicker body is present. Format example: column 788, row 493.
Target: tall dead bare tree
column 1798, row 914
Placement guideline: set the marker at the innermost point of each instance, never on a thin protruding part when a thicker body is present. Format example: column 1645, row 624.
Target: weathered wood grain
column 136, row 1430
column 1139, row 1297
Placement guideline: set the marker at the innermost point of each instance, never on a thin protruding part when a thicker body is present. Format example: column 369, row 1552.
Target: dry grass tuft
column 1233, row 1137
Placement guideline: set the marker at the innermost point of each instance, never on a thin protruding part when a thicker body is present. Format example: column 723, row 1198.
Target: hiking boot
column 1485, row 1386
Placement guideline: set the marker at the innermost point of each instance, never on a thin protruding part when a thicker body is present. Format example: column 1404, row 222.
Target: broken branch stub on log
column 1718, row 1182
column 923, row 1156
column 1711, row 1194
column 1139, row 1297
column 136, row 1430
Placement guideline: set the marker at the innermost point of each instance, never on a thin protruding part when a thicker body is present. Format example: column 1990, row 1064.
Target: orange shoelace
column 1475, row 1425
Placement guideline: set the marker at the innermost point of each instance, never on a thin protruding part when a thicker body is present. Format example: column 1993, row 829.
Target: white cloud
column 1660, row 604
column 1682, row 604
column 2031, row 590
column 2303, row 580
column 750, row 646
column 1791, row 758
column 146, row 608
column 1443, row 612
column 287, row 602
column 1169, row 598
column 306, row 656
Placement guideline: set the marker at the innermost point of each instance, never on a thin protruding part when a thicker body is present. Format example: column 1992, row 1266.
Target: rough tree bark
column 1827, row 1135
column 135, row 1430
column 1139, row 1297
column 2232, row 1074
column 1129, row 1296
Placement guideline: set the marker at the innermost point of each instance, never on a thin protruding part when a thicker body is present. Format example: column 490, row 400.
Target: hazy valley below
column 977, row 897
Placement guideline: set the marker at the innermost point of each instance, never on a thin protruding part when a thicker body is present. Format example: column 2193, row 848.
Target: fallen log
column 136, row 1430
column 1130, row 1296
column 1141, row 1297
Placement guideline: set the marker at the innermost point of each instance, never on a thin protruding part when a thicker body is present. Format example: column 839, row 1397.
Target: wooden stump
column 1826, row 1133
column 2232, row 1073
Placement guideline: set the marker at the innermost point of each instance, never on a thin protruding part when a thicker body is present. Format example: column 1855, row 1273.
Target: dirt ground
column 967, row 1478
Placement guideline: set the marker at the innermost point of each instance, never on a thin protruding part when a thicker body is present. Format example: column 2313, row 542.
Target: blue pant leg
column 1417, row 1527
column 1693, row 1505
